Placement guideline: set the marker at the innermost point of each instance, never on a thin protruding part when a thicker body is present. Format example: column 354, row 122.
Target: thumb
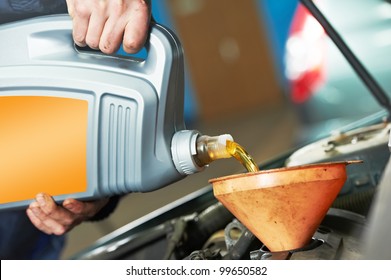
column 74, row 206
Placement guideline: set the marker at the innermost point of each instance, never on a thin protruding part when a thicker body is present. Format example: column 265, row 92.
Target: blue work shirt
column 20, row 239
column 12, row 10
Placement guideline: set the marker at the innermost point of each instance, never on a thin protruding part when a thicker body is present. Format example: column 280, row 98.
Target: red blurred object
column 305, row 61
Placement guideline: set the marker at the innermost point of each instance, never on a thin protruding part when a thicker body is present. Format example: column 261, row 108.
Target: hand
column 105, row 24
column 51, row 218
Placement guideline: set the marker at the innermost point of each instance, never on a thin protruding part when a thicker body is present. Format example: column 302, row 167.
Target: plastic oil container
column 82, row 124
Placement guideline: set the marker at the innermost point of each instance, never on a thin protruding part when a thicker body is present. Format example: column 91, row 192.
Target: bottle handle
column 49, row 38
column 162, row 48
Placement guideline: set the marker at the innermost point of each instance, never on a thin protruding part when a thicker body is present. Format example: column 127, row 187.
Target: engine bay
column 198, row 227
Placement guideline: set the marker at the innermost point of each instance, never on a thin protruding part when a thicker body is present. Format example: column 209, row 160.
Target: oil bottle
column 81, row 124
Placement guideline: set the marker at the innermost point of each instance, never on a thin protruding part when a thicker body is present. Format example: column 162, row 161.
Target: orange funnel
column 282, row 207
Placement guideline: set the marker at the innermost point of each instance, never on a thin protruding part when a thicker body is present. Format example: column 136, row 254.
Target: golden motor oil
column 85, row 125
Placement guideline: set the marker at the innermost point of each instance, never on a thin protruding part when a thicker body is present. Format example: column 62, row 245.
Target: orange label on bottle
column 43, row 146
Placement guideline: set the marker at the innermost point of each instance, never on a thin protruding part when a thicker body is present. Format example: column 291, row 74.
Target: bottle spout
column 211, row 148
column 192, row 152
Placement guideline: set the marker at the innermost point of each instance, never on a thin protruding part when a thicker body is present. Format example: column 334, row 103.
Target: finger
column 70, row 5
column 112, row 35
column 44, row 222
column 46, row 204
column 136, row 30
column 74, row 206
column 80, row 21
column 129, row 27
column 95, row 28
column 84, row 210
column 37, row 222
column 53, row 216
column 134, row 38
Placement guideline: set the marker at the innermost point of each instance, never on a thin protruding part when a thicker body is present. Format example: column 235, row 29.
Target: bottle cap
column 183, row 149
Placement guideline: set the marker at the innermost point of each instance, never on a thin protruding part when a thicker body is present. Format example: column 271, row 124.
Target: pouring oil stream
column 238, row 152
column 211, row 148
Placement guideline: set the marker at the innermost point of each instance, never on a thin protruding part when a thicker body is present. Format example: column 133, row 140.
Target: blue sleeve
column 13, row 10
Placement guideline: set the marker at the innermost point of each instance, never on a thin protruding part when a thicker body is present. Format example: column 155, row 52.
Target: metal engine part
column 338, row 237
